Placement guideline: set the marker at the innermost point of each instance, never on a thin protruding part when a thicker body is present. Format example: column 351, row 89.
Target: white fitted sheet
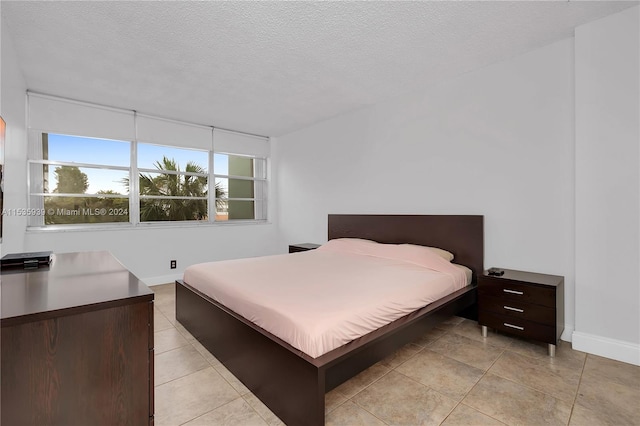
column 319, row 300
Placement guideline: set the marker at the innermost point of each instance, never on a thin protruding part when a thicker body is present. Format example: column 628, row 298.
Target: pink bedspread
column 321, row 299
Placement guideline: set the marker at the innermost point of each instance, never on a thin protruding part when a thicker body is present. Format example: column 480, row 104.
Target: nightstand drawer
column 516, row 309
column 518, row 327
column 517, row 292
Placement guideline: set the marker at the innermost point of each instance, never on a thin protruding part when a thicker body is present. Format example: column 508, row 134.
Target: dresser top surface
column 72, row 280
column 526, row 277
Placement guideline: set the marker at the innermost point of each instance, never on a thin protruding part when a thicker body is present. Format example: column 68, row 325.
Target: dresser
column 77, row 344
column 295, row 248
column 525, row 304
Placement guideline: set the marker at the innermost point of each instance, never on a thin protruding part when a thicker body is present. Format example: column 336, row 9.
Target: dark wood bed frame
column 293, row 384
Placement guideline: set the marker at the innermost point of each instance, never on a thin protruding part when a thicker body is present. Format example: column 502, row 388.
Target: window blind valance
column 57, row 115
column 68, row 117
column 173, row 133
column 229, row 142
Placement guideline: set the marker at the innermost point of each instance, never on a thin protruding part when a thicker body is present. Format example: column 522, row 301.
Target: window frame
column 141, row 197
column 134, row 196
column 35, row 138
column 260, row 203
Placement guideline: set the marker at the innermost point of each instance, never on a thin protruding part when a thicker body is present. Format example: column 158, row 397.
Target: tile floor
column 450, row 376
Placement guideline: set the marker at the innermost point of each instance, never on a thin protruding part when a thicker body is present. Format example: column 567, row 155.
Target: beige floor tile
column 177, row 363
column 164, row 288
column 449, row 324
column 617, row 402
column 581, row 416
column 163, row 299
column 565, row 356
column 472, row 330
column 538, row 373
column 233, row 380
column 191, row 396
column 160, row 322
column 205, row 353
column 454, row 320
column 522, row 386
column 464, row 415
column 597, row 367
column 398, row 400
column 262, row 410
column 185, row 333
column 401, row 355
column 235, row 413
column 163, row 302
column 472, row 352
column 443, row 374
column 528, row 347
column 429, row 337
column 362, row 380
column 516, row 404
column 349, row 414
column 168, row 339
column 333, row 400
column 169, row 311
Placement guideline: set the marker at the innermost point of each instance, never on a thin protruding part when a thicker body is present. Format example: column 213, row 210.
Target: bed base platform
column 289, row 382
column 293, row 384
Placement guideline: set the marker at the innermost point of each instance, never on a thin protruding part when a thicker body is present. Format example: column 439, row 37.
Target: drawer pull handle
column 517, row 327
column 506, row 290
column 513, row 309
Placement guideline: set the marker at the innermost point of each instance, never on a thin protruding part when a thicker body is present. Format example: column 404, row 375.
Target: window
column 173, row 183
column 240, row 187
column 70, row 184
column 136, row 169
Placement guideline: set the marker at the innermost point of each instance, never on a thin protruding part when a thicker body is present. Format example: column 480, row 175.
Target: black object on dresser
column 525, row 304
column 77, row 344
column 26, row 260
column 294, row 248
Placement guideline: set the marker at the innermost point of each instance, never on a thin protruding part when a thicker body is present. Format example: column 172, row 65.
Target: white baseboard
column 164, row 279
column 619, row 350
column 567, row 333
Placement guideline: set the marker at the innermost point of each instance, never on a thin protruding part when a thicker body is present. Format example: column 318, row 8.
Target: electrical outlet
column 173, row 264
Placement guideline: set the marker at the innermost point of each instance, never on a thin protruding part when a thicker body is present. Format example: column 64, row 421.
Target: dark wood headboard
column 462, row 235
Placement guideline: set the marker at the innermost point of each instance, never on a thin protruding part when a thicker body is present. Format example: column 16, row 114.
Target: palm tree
column 175, row 185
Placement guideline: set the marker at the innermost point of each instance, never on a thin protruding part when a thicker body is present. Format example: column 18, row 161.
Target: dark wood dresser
column 77, row 344
column 525, row 304
column 295, row 248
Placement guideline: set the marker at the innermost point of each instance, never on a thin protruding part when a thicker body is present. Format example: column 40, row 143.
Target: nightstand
column 294, row 248
column 525, row 304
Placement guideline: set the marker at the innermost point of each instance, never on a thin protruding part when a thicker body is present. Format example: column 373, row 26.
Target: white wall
column 12, row 99
column 146, row 252
column 498, row 142
column 607, row 55
column 1, row 57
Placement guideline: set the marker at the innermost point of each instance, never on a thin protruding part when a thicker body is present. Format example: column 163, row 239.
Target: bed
column 289, row 381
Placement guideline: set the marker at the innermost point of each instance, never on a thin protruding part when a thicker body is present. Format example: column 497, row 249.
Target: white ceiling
column 271, row 67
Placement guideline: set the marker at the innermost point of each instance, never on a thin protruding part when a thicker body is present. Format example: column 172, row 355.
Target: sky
column 118, row 153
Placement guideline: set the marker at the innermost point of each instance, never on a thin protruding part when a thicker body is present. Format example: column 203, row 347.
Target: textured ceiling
column 271, row 67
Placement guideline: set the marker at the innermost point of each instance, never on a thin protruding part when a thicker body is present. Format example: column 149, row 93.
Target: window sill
column 141, row 226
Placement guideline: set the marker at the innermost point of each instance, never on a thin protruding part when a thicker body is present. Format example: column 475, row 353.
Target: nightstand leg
column 484, row 331
column 552, row 350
